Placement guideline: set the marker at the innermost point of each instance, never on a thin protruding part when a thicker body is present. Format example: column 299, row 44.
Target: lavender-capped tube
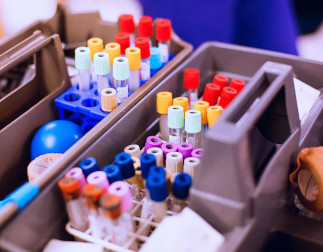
column 197, row 153
column 152, row 141
column 168, row 147
column 186, row 149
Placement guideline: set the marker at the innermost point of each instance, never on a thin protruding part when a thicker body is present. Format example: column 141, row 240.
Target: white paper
column 71, row 246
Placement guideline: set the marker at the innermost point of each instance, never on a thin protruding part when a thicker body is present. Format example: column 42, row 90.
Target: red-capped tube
column 163, row 30
column 227, row 96
column 123, row 40
column 145, row 27
column 127, row 24
column 191, row 78
column 221, row 80
column 211, row 93
column 143, row 44
column 237, row 84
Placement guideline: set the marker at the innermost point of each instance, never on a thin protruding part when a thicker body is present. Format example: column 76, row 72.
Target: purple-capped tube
column 197, row 153
column 186, row 149
column 168, row 147
column 98, row 178
column 152, row 141
column 77, row 173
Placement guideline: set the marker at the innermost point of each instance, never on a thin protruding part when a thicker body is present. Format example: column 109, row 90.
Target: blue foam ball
column 55, row 137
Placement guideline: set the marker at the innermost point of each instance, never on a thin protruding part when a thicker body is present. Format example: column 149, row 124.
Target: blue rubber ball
column 55, row 137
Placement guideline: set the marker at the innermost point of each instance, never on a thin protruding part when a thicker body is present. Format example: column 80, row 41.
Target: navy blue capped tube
column 124, row 161
column 157, row 187
column 113, row 173
column 147, row 161
column 181, row 186
column 89, row 165
column 157, row 170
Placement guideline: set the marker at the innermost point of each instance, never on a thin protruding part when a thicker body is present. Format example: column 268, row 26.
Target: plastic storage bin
column 46, row 212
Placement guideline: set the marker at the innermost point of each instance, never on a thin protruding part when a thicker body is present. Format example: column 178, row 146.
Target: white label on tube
column 174, row 139
column 164, row 56
column 193, row 99
column 122, row 94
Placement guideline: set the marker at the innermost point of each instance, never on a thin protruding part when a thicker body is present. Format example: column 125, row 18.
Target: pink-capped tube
column 122, row 190
column 186, row 149
column 99, row 178
column 197, row 153
column 77, row 173
column 168, row 147
column 152, row 141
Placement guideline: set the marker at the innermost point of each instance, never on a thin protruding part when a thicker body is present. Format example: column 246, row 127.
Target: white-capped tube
column 190, row 165
column 174, row 162
column 133, row 150
column 83, row 65
column 158, row 153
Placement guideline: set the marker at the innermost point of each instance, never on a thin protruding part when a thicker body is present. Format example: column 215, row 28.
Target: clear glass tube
column 111, row 79
column 192, row 95
column 96, row 225
column 178, row 205
column 134, row 80
column 175, row 135
column 84, row 80
column 76, row 214
column 163, row 127
column 164, row 51
column 132, row 39
column 193, row 138
column 159, row 210
column 103, row 82
column 122, row 90
column 145, row 69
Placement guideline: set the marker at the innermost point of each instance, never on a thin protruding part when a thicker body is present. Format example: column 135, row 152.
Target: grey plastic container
column 46, row 213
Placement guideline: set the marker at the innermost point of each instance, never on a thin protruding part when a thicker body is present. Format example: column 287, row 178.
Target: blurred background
column 288, row 26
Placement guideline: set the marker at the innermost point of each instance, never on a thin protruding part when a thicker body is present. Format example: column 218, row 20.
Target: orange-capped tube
column 111, row 206
column 183, row 102
column 163, row 102
column 213, row 114
column 92, row 194
column 95, row 45
column 202, row 106
column 114, row 51
column 133, row 55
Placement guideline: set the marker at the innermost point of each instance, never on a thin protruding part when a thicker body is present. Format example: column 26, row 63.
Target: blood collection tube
column 175, row 124
column 143, row 44
column 227, row 96
column 83, row 65
column 133, row 150
column 164, row 36
column 98, row 178
column 71, row 191
column 138, row 177
column 186, row 149
column 102, row 69
column 127, row 25
column 190, row 165
column 197, row 153
column 193, row 129
column 155, row 59
column 77, row 173
column 159, row 155
column 89, row 165
column 163, row 102
column 192, row 83
column 109, row 100
column 147, row 161
column 92, row 194
column 183, row 102
column 211, row 93
column 220, row 80
column 174, row 162
column 156, row 184
column 202, row 106
column 146, row 28
column 133, row 56
column 213, row 114
column 237, row 84
column 152, row 141
column 180, row 191
column 121, row 76
column 168, row 147
column 113, row 173
column 113, row 49
column 95, row 45
column 124, row 41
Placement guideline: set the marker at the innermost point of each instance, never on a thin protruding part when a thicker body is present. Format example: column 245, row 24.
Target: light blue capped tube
column 102, row 69
column 83, row 64
column 121, row 76
column 175, row 123
column 193, row 131
column 155, row 59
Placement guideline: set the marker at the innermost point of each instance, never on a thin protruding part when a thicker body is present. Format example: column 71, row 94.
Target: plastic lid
column 211, row 93
column 82, row 58
column 164, row 101
column 183, row 102
column 113, row 49
column 76, row 173
column 197, row 153
column 193, row 121
column 92, row 194
column 145, row 26
column 237, row 84
column 155, row 59
column 202, row 107
column 163, row 30
column 175, row 117
column 101, row 63
column 121, row 68
column 185, row 148
column 123, row 40
column 168, row 147
column 147, row 161
column 152, row 141
column 70, row 188
column 127, row 24
column 221, row 80
column 191, row 78
column 89, row 165
column 122, row 190
column 227, row 96
column 133, row 55
column 157, row 170
column 95, row 45
column 143, row 44
column 133, row 150
column 111, row 206
column 113, row 173
column 109, row 100
column 124, row 161
column 98, row 178
column 213, row 114
column 182, row 185
column 156, row 184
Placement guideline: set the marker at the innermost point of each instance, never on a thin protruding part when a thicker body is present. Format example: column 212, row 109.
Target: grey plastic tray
column 46, row 213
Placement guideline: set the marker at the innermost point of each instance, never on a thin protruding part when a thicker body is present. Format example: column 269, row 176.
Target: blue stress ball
column 55, row 137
